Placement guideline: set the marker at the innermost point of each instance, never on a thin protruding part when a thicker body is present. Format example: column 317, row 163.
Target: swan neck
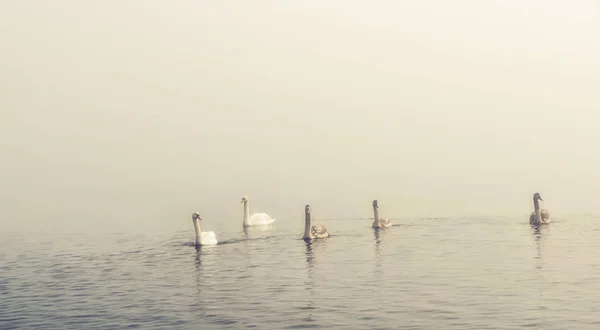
column 246, row 213
column 307, row 225
column 375, row 216
column 536, row 210
column 197, row 229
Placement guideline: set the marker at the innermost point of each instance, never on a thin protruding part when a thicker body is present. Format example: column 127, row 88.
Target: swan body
column 539, row 216
column 203, row 237
column 257, row 219
column 377, row 221
column 310, row 231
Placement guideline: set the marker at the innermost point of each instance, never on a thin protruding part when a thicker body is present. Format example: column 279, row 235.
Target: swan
column 203, row 238
column 539, row 217
column 257, row 219
column 316, row 231
column 377, row 221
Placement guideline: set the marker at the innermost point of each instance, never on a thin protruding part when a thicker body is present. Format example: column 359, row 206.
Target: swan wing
column 208, row 238
column 318, row 231
column 385, row 222
column 545, row 215
column 260, row 219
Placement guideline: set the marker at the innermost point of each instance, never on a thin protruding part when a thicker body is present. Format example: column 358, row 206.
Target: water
column 451, row 273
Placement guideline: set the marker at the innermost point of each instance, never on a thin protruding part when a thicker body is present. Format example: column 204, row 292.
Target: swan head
column 537, row 196
column 307, row 209
column 196, row 216
column 244, row 199
column 376, row 204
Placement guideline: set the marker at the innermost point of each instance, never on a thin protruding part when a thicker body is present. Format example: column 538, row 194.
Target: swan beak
column 541, row 199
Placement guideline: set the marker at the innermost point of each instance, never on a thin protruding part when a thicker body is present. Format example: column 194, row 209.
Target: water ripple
column 470, row 273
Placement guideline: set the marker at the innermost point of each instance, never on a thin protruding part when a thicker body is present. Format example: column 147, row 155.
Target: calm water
column 454, row 273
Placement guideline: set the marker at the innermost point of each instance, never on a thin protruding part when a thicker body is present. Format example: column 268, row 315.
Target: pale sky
column 126, row 111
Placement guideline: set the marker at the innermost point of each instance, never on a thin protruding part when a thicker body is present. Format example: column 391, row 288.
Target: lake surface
column 447, row 273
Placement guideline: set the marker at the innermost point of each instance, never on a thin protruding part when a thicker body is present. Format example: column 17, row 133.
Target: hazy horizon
column 142, row 112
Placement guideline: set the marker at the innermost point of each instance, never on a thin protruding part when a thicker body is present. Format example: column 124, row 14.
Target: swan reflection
column 202, row 260
column 377, row 240
column 256, row 229
column 539, row 235
column 314, row 250
column 198, row 265
column 378, row 233
column 310, row 263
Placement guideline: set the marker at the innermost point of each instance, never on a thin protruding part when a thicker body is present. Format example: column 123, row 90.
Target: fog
column 116, row 114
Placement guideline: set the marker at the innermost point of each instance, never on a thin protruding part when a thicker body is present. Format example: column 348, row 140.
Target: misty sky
column 118, row 112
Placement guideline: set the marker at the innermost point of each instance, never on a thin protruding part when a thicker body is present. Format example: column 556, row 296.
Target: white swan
column 316, row 231
column 539, row 217
column 377, row 221
column 203, row 238
column 257, row 219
